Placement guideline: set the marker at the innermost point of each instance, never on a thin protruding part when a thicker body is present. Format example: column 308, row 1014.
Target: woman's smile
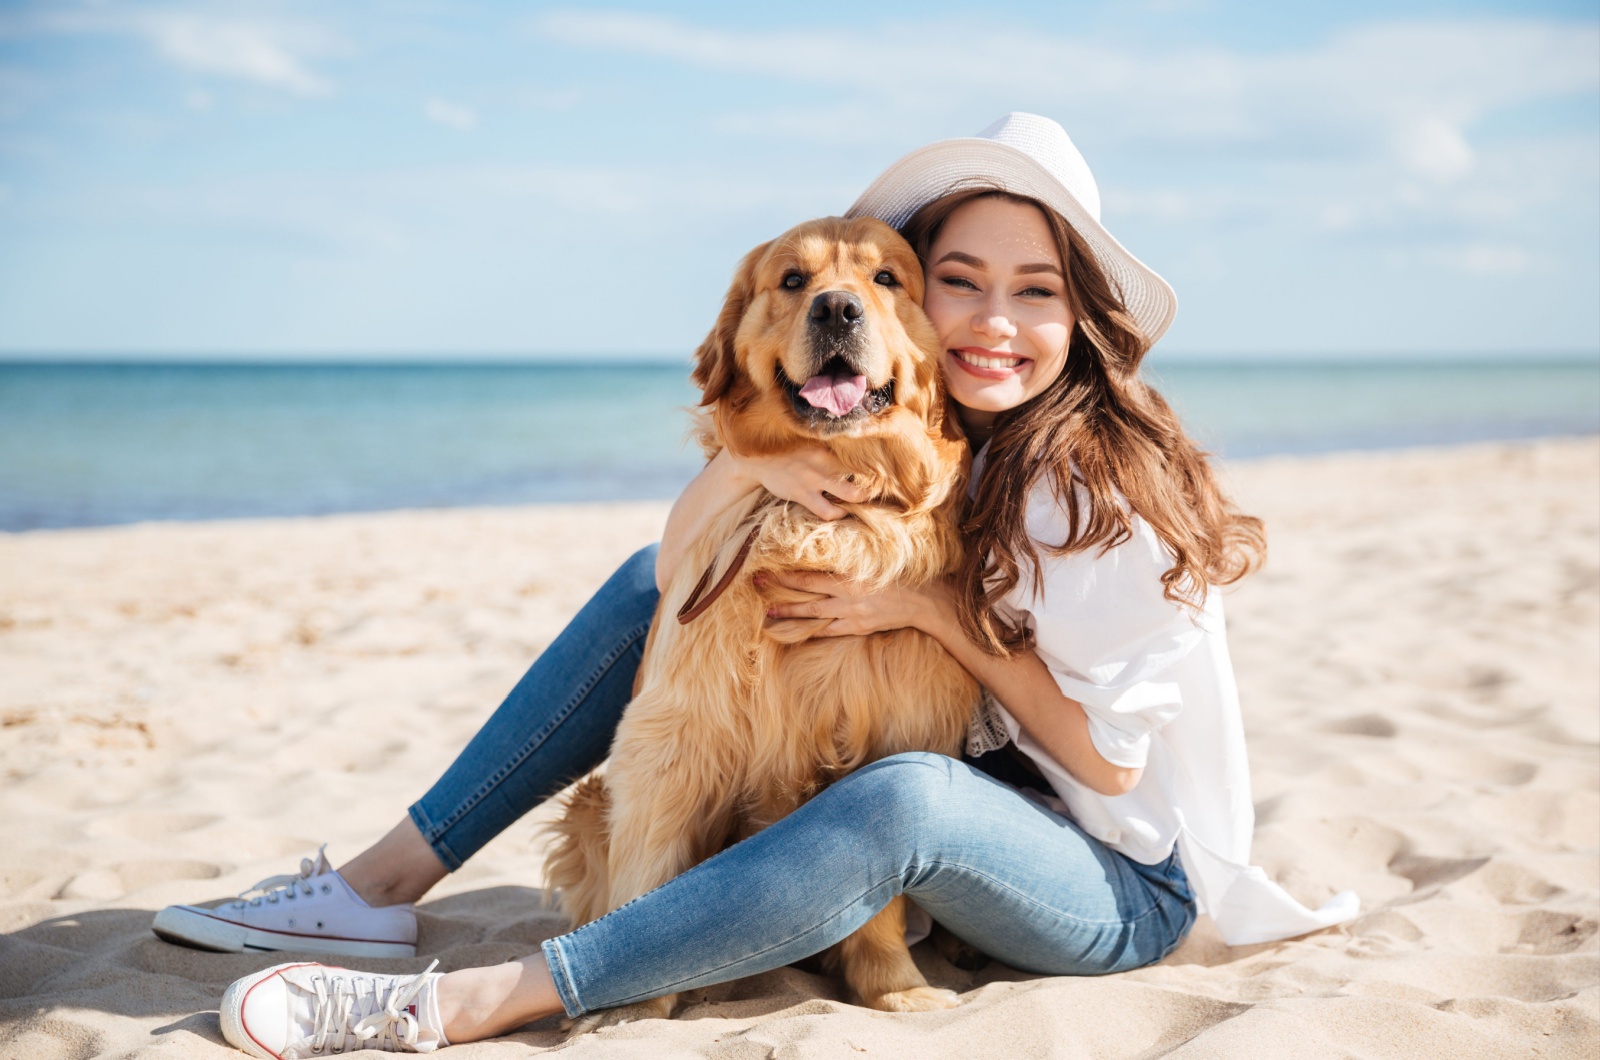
column 988, row 364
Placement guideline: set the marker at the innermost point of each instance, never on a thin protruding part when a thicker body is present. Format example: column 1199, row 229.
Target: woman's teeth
column 987, row 362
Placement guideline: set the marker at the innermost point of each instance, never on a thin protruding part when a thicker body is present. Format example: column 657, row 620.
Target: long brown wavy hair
column 1103, row 436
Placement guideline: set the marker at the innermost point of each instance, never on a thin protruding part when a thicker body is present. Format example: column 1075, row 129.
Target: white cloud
column 1378, row 128
column 1484, row 259
column 1434, row 148
column 1413, row 88
column 455, row 115
column 273, row 53
column 244, row 50
column 1337, row 216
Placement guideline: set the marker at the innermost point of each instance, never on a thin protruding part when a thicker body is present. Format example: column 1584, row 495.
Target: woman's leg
column 1019, row 882
column 553, row 727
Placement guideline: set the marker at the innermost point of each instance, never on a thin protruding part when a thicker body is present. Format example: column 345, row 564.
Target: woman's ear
column 715, row 362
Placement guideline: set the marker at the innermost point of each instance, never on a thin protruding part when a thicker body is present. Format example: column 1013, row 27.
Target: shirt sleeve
column 1107, row 634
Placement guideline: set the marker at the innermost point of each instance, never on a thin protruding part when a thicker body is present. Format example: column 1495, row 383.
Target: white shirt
column 1157, row 685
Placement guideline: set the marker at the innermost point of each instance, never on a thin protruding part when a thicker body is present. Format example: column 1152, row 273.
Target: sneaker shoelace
column 288, row 885
column 344, row 1008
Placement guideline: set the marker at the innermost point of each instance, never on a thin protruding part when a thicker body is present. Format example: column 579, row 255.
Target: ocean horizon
column 87, row 443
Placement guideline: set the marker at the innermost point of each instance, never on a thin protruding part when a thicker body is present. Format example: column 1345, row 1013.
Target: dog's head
column 822, row 336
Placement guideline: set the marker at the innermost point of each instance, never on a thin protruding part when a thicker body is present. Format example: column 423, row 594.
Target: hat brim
column 931, row 172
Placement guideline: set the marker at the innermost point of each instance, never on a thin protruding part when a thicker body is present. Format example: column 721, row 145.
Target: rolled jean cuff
column 566, row 989
column 441, row 850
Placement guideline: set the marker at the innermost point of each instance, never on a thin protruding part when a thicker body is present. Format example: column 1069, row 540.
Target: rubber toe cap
column 260, row 1006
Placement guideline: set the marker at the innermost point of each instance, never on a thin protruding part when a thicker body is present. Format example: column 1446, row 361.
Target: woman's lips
column 989, row 364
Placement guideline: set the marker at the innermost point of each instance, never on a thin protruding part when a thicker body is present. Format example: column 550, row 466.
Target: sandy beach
column 187, row 708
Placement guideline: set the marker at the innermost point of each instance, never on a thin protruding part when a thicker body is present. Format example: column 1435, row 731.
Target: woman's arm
column 812, row 477
column 1021, row 682
column 1023, row 685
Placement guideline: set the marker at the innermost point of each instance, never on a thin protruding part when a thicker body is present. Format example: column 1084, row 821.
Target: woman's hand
column 811, row 476
column 1021, row 681
column 853, row 609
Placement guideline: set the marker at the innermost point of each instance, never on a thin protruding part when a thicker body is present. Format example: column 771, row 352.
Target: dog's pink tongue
column 837, row 394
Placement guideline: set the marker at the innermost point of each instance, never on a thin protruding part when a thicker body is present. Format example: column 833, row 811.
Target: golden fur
column 737, row 718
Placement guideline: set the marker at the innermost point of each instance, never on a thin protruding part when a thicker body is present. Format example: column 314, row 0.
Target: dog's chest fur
column 796, row 711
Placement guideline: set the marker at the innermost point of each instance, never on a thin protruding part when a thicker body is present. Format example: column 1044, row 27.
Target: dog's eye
column 794, row 281
column 885, row 277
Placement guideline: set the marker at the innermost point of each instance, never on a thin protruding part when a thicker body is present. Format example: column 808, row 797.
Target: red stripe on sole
column 294, row 934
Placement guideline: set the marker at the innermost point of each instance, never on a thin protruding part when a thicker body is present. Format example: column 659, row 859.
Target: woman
column 1087, row 610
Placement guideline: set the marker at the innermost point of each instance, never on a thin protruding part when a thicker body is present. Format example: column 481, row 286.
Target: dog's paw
column 655, row 1009
column 917, row 999
column 963, row 955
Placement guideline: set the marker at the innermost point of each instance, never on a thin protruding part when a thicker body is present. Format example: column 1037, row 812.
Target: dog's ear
column 715, row 362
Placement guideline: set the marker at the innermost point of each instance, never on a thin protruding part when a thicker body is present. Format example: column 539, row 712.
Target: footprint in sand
column 1429, row 874
column 1363, row 725
column 123, row 879
column 1546, row 931
column 1512, row 884
column 1385, row 924
column 1472, row 765
column 38, row 867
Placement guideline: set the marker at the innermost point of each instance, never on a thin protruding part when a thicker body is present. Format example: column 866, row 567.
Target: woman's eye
column 885, row 277
column 959, row 281
column 1038, row 292
column 794, row 281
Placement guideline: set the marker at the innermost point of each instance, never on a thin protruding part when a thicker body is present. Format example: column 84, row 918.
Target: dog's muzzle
column 836, row 397
column 835, row 325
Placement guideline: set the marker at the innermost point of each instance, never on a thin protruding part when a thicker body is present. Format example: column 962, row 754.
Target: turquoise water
column 94, row 444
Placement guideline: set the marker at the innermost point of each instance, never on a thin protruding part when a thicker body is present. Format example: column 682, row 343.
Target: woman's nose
column 987, row 322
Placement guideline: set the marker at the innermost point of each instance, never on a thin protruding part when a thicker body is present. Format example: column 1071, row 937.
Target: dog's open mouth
column 835, row 395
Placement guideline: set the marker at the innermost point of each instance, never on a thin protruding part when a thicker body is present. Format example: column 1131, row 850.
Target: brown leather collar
column 696, row 605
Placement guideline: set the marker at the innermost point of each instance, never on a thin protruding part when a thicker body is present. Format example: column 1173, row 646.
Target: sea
column 97, row 444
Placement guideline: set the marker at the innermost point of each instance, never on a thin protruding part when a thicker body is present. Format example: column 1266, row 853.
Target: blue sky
column 481, row 179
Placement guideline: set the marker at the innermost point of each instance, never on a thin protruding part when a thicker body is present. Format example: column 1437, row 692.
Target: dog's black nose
column 836, row 309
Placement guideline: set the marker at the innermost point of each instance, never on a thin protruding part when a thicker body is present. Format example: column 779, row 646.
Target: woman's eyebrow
column 979, row 263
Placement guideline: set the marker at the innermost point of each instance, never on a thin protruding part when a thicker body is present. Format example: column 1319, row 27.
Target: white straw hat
column 1029, row 155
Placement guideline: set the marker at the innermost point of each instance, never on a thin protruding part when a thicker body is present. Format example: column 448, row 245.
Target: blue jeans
column 1021, row 883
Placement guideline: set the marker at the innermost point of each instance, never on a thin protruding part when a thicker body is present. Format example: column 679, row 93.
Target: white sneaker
column 312, row 912
column 292, row 1011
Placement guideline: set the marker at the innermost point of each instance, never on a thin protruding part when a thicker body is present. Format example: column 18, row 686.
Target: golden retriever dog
column 737, row 719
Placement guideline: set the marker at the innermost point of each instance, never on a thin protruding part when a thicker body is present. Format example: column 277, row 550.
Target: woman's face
column 997, row 295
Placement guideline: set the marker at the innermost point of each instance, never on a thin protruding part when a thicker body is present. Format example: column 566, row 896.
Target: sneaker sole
column 194, row 928
column 231, row 1012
